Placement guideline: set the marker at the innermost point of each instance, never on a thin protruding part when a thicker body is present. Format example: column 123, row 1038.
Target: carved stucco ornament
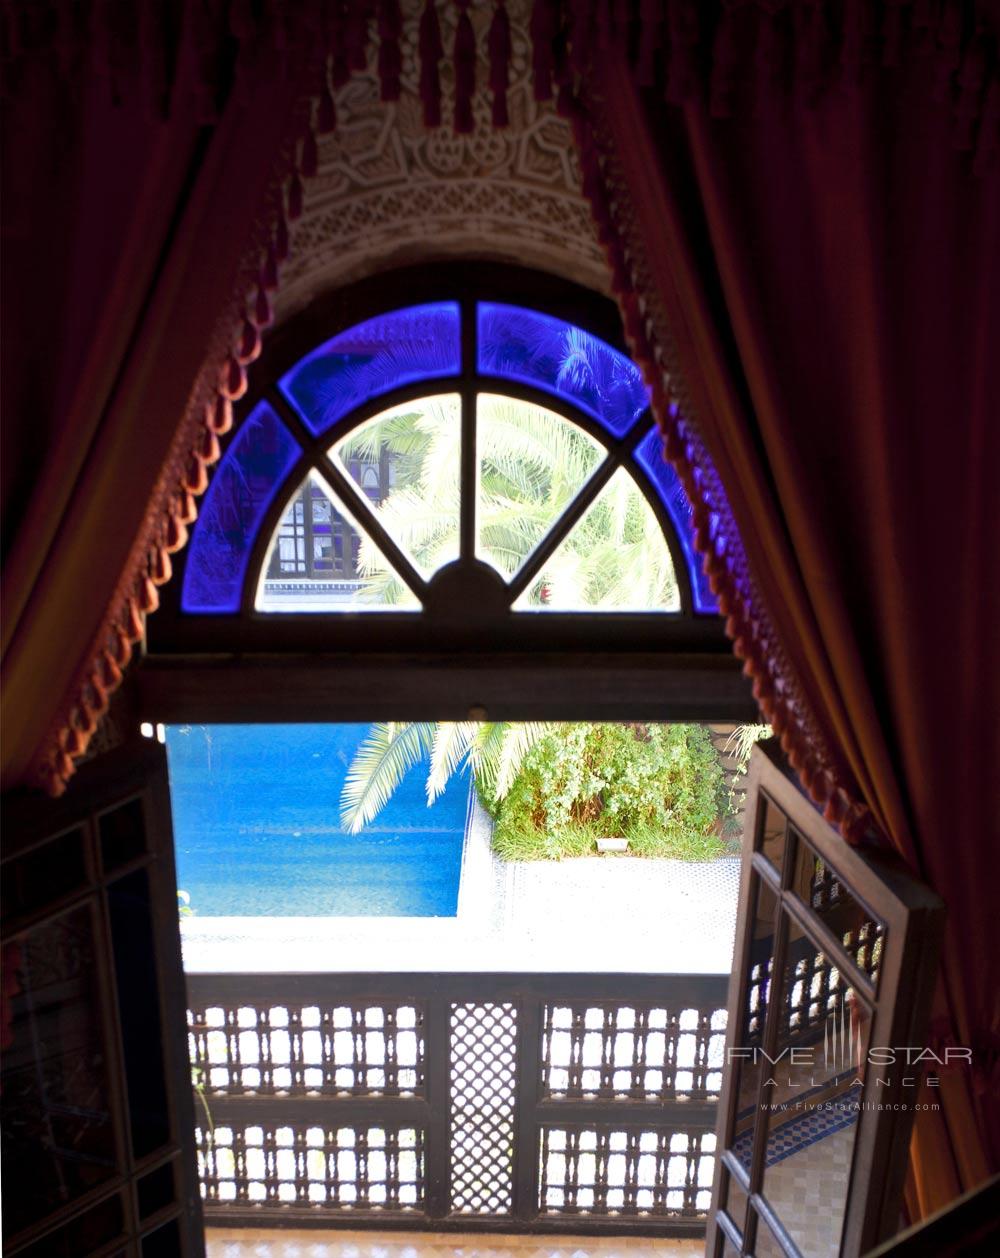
column 389, row 192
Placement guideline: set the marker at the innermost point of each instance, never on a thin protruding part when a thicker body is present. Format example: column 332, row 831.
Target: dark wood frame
column 135, row 772
column 913, row 919
column 666, row 666
column 436, row 993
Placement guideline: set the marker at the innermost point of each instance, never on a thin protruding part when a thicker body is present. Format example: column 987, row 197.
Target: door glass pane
column 58, row 1139
column 615, row 559
column 407, row 462
column 747, row 1058
column 532, row 464
column 403, row 346
column 813, row 1096
column 320, row 560
column 773, row 836
column 733, row 1199
column 818, row 886
column 767, row 1247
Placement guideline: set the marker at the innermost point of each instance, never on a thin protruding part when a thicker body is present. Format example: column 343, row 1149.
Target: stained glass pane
column 556, row 356
column 320, row 560
column 407, row 462
column 614, row 559
column 649, row 454
column 418, row 343
column 242, row 488
column 532, row 464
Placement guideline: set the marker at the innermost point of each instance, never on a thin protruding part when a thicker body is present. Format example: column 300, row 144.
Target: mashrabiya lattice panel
column 483, row 1083
column 627, row 1172
column 288, row 1050
column 619, row 1052
column 344, row 1168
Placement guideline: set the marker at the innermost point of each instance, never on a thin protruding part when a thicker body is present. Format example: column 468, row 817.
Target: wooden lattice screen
column 458, row 1100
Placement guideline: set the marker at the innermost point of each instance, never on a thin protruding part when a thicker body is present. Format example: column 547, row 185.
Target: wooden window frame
column 253, row 666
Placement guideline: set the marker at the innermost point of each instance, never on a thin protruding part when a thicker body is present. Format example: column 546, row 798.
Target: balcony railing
column 499, row 1101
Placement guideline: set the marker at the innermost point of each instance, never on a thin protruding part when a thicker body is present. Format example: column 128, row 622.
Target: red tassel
column 326, row 114
column 196, row 481
column 249, row 348
column 294, row 199
column 262, row 312
column 390, row 24
column 123, row 647
column 162, row 567
column 310, row 155
column 220, row 414
column 176, row 535
column 281, row 240
column 133, row 622
column 63, row 767
column 147, row 596
column 187, row 512
column 72, row 741
column 234, row 378
column 269, row 272
column 208, row 447
column 100, row 701
column 86, row 720
column 498, row 44
column 543, row 29
column 111, row 674
column 465, row 70
column 431, row 52
column 356, row 34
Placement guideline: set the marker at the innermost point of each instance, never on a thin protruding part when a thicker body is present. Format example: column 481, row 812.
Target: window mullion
column 576, row 509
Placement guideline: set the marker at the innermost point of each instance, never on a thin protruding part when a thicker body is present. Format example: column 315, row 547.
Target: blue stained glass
column 649, row 455
column 562, row 359
column 418, row 343
column 251, row 472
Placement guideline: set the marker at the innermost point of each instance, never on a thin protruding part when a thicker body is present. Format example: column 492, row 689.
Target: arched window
column 476, row 468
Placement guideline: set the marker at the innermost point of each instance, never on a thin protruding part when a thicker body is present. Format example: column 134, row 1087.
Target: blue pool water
column 257, row 831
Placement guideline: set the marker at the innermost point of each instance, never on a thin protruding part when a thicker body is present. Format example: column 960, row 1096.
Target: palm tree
column 532, row 464
column 493, row 750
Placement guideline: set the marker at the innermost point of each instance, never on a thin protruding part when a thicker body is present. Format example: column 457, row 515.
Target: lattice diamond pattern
column 483, row 1080
column 354, row 1050
column 351, row 1169
column 612, row 1051
column 662, row 1174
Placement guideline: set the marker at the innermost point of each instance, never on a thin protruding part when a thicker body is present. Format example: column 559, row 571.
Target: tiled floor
column 266, row 1243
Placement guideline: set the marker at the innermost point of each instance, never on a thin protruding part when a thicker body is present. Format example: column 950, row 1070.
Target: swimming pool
column 257, row 833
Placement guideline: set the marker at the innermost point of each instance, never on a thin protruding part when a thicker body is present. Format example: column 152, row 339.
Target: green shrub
column 660, row 786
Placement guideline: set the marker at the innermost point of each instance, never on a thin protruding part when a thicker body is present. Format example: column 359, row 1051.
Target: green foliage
column 742, row 741
column 493, row 750
column 659, row 786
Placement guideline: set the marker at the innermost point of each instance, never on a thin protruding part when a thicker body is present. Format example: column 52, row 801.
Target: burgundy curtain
column 143, row 173
column 824, row 263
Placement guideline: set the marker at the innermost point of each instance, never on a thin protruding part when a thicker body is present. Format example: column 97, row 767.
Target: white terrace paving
column 609, row 914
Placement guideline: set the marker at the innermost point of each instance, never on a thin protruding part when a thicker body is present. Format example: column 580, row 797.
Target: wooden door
column 98, row 1155
column 836, row 952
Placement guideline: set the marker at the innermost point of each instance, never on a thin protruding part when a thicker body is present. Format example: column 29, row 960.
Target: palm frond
column 742, row 741
column 389, row 751
column 518, row 740
column 450, row 746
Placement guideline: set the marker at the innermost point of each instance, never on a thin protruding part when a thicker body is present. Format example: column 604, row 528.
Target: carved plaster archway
column 390, row 192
